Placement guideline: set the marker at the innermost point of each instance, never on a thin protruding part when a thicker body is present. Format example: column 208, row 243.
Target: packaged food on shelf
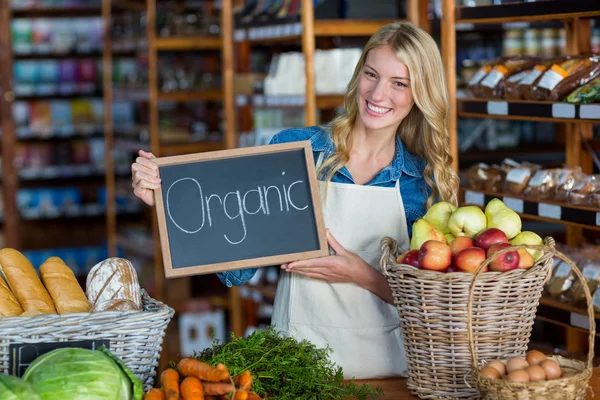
column 561, row 79
column 588, row 93
column 518, row 89
column 496, row 176
column 591, row 272
column 560, row 281
column 477, row 175
column 474, row 84
column 494, row 82
column 565, row 180
column 541, row 185
column 518, row 176
column 581, row 193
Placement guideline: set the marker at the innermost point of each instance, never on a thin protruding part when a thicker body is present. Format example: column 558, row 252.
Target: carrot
column 241, row 394
column 191, row 389
column 217, row 388
column 202, row 371
column 254, row 396
column 244, row 380
column 169, row 379
column 155, row 394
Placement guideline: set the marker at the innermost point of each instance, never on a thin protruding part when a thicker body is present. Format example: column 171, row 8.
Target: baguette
column 9, row 305
column 63, row 287
column 25, row 282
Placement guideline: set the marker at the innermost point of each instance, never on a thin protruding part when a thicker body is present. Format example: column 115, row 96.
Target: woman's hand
column 144, row 177
column 343, row 267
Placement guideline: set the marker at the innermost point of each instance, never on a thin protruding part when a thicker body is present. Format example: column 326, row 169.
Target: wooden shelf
column 546, row 210
column 49, row 12
column 188, row 148
column 188, row 43
column 566, row 315
column 261, row 101
column 62, row 56
column 542, row 111
column 548, row 10
column 144, row 248
column 201, row 95
column 349, row 27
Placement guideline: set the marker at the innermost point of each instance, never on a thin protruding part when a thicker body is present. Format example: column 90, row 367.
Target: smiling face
column 384, row 95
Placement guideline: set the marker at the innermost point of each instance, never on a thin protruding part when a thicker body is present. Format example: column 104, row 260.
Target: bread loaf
column 115, row 305
column 113, row 279
column 63, row 287
column 25, row 282
column 9, row 305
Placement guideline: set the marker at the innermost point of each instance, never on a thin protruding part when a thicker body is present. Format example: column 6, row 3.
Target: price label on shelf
column 549, row 210
column 497, row 107
column 562, row 270
column 560, row 110
column 598, row 219
column 239, row 35
column 514, row 204
column 241, row 100
column 580, row 321
column 589, row 111
column 474, row 198
column 259, row 100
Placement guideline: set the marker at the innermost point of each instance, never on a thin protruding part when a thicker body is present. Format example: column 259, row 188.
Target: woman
column 381, row 164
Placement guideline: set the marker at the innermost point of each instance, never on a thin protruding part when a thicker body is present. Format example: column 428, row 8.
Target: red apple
column 461, row 243
column 410, row 257
column 489, row 237
column 469, row 259
column 435, row 255
column 505, row 261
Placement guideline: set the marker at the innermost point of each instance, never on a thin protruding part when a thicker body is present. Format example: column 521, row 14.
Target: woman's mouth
column 375, row 110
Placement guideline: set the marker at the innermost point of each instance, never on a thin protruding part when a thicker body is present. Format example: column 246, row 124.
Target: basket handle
column 389, row 247
column 555, row 253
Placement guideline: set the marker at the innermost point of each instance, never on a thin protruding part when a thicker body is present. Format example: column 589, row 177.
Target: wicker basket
column 576, row 374
column 135, row 336
column 433, row 319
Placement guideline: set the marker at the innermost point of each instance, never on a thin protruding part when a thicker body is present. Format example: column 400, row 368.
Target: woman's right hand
column 144, row 176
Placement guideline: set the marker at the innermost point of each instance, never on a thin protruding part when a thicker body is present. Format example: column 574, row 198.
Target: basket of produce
column 537, row 376
column 52, row 307
column 431, row 284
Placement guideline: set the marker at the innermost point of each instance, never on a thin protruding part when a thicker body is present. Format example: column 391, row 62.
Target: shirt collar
column 404, row 161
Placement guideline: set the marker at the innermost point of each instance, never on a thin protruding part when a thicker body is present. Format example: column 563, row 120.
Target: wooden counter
column 395, row 389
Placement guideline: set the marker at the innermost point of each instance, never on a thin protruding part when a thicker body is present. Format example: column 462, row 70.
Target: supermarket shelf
column 91, row 210
column 188, row 43
column 542, row 111
column 188, row 148
column 131, row 94
column 66, row 172
column 131, row 144
column 537, row 11
column 200, row 95
column 558, row 313
column 262, row 101
column 56, row 12
column 524, row 152
column 54, row 56
column 547, row 211
column 287, row 31
column 24, row 134
column 53, row 96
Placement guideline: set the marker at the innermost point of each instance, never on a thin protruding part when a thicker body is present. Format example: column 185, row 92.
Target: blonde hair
column 424, row 131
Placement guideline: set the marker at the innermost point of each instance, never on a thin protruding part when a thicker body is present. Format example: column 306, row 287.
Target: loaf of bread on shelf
column 25, row 282
column 113, row 279
column 9, row 305
column 61, row 283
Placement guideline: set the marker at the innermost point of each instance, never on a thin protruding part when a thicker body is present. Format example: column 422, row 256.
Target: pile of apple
column 451, row 239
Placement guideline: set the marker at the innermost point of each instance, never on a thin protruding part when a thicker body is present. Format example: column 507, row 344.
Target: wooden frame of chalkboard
column 298, row 156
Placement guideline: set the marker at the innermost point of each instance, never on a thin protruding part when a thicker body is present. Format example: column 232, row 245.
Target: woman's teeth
column 378, row 110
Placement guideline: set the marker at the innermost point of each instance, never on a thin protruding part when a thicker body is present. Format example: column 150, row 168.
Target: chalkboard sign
column 23, row 354
column 237, row 209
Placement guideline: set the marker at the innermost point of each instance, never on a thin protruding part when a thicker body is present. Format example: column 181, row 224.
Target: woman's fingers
column 145, row 163
column 146, row 154
column 140, row 175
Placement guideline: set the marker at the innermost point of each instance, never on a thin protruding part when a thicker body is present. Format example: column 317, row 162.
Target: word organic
column 266, row 200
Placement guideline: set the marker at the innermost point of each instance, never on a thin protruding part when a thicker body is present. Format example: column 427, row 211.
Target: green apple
column 467, row 221
column 532, row 238
column 439, row 214
column 506, row 220
column 423, row 231
column 494, row 206
column 449, row 238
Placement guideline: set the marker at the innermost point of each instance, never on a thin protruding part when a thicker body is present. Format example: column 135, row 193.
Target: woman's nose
column 379, row 91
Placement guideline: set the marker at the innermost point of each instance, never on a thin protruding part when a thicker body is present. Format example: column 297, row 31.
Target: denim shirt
column 405, row 167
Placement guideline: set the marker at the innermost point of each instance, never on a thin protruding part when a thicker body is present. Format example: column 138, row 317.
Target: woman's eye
column 370, row 74
column 400, row 84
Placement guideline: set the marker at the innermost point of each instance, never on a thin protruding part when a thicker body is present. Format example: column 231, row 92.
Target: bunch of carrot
column 195, row 380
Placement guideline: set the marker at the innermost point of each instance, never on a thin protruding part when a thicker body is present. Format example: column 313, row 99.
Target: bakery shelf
column 67, row 172
column 524, row 152
column 286, row 31
column 91, row 210
column 199, row 95
column 53, row 96
column 53, row 55
column 542, row 111
column 141, row 247
column 131, row 144
column 131, row 94
column 188, row 43
column 566, row 315
column 549, row 10
column 546, row 210
column 186, row 148
column 24, row 134
column 261, row 101
column 58, row 12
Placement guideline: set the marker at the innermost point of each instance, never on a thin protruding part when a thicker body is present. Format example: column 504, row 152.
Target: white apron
column 361, row 329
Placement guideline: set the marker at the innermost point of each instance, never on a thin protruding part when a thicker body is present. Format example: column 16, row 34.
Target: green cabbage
column 81, row 374
column 13, row 388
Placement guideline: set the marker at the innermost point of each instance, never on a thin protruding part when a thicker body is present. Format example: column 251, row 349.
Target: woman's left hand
column 344, row 266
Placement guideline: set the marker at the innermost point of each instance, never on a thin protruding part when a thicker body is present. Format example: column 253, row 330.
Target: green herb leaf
column 284, row 368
